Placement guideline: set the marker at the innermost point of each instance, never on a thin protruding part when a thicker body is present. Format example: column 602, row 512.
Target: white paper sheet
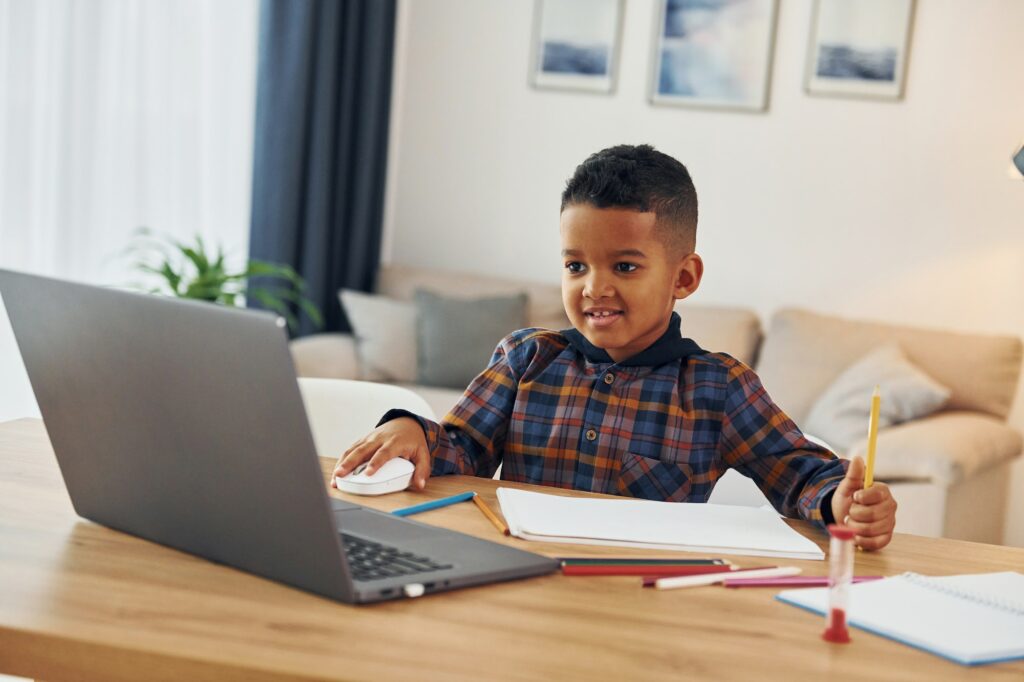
column 694, row 527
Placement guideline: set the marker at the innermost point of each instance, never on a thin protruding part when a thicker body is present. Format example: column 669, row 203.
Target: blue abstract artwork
column 714, row 53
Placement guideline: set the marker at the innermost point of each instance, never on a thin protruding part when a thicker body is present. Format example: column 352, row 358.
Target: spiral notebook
column 691, row 527
column 969, row 619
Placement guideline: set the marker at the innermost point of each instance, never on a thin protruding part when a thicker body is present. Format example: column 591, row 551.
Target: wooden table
column 79, row 601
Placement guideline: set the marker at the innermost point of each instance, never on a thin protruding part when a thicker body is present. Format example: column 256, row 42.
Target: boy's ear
column 688, row 274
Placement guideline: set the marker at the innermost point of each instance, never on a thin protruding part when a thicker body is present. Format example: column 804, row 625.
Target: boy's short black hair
column 639, row 177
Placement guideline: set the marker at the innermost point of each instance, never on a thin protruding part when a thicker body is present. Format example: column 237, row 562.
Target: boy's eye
column 575, row 267
column 625, row 267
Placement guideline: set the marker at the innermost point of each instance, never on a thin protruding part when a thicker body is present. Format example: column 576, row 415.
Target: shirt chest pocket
column 657, row 471
column 650, row 478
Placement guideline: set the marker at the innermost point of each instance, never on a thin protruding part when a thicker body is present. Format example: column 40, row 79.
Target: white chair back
column 342, row 411
column 735, row 488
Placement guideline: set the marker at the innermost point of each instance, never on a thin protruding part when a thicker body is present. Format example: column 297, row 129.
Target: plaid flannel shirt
column 664, row 424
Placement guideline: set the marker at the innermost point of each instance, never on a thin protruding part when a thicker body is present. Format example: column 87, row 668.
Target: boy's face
column 619, row 279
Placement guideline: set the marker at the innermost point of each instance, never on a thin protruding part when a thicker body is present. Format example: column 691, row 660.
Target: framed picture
column 713, row 53
column 576, row 44
column 858, row 48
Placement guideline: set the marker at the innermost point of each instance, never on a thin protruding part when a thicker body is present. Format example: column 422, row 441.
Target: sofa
column 948, row 469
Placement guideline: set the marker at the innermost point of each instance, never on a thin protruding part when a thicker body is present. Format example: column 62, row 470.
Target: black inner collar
column 670, row 346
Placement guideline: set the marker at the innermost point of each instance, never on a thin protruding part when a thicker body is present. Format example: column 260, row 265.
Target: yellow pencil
column 876, row 403
column 498, row 523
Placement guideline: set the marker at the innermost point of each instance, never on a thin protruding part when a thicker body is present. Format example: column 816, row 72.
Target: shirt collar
column 670, row 346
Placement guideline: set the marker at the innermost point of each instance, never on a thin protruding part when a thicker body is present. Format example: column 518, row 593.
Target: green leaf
column 312, row 312
column 165, row 271
column 257, row 268
column 198, row 259
column 307, row 306
column 273, row 303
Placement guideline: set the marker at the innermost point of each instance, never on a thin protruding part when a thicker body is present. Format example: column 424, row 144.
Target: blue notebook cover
column 969, row 619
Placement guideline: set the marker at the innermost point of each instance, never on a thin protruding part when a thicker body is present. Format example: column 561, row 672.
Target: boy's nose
column 597, row 286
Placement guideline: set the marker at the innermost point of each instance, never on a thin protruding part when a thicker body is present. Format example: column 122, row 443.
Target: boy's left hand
column 870, row 513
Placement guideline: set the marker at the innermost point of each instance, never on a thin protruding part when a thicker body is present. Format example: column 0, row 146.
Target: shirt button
column 591, row 434
column 609, row 378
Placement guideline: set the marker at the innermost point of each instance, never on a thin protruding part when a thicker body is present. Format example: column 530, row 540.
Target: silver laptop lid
column 180, row 422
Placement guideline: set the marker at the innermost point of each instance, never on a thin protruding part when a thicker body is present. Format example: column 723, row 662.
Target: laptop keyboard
column 375, row 561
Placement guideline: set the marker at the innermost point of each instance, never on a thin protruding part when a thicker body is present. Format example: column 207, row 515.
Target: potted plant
column 190, row 271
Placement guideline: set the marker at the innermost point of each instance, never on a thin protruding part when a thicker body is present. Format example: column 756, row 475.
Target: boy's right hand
column 402, row 437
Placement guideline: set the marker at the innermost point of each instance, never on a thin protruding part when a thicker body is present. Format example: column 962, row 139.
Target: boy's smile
column 619, row 278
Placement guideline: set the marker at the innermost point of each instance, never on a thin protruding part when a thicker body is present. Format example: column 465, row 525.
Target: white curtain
column 118, row 114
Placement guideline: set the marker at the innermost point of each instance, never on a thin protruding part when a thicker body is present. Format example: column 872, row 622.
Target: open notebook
column 692, row 527
column 969, row 619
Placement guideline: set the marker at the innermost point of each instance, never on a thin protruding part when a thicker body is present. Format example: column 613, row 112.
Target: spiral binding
column 1000, row 603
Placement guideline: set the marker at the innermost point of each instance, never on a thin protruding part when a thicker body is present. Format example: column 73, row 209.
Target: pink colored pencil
column 792, row 581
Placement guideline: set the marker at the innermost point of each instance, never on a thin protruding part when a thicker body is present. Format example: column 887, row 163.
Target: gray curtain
column 322, row 105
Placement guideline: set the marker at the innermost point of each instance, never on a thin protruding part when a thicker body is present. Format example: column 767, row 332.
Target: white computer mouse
column 393, row 476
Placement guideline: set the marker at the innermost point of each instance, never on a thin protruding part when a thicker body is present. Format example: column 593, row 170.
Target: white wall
column 896, row 211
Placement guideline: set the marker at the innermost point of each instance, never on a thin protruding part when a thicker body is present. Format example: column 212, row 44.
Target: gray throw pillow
column 456, row 337
column 385, row 334
column 840, row 414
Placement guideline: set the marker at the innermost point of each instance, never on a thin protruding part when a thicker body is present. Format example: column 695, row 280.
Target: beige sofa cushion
column 544, row 307
column 804, row 352
column 328, row 355
column 944, row 448
column 721, row 329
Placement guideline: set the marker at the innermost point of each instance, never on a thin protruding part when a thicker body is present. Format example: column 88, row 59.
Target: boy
column 622, row 403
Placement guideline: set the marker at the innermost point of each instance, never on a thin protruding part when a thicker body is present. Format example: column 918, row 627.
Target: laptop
column 181, row 422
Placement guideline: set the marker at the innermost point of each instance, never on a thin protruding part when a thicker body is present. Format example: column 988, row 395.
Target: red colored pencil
column 660, row 570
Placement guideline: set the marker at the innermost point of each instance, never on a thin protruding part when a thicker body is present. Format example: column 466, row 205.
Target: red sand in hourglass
column 836, row 630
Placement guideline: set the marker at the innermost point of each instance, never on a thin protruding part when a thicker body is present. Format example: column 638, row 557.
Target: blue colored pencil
column 434, row 504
